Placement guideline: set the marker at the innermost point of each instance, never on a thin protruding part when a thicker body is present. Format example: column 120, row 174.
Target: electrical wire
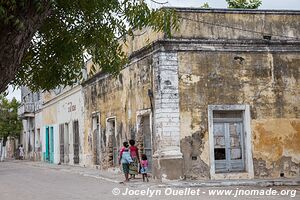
column 237, row 28
column 161, row 3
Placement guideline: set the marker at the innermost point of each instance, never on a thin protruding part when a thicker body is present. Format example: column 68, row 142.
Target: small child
column 144, row 167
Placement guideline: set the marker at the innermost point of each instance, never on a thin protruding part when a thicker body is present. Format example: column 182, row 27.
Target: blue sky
column 266, row 4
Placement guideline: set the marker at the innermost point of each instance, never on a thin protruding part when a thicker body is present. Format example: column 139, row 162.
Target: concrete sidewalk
column 115, row 176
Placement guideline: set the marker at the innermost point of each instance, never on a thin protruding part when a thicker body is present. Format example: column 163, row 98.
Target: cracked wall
column 120, row 97
column 276, row 147
column 268, row 82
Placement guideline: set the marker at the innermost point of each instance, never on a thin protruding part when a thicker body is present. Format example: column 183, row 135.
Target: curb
column 261, row 183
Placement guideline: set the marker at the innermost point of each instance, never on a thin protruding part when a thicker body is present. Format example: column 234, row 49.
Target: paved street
column 22, row 181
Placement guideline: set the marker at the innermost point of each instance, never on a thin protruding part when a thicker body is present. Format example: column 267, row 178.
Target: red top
column 133, row 151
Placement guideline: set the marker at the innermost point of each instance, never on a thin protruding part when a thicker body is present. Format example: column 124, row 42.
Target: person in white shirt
column 21, row 151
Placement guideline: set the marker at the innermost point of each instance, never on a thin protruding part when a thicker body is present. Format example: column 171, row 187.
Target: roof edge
column 230, row 10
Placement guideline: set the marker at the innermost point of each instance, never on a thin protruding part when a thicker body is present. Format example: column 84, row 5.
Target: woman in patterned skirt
column 134, row 153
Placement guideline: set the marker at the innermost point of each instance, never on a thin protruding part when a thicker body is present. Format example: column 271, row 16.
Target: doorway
column 111, row 130
column 61, row 143
column 47, row 146
column 51, row 144
column 96, row 139
column 230, row 141
column 49, row 154
column 76, row 142
column 66, row 140
column 38, row 140
column 145, row 121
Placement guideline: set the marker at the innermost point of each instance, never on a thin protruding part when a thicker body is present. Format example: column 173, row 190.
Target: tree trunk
column 14, row 43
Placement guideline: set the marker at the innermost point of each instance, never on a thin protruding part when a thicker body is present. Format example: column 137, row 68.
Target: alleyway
column 23, row 181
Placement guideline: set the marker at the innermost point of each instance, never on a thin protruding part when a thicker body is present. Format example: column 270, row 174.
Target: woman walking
column 134, row 153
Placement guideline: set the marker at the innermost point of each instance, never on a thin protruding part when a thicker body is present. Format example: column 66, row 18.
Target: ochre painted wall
column 242, row 24
column 119, row 97
column 268, row 82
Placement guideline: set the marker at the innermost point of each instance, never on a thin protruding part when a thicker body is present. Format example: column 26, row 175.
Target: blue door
column 51, row 145
column 47, row 152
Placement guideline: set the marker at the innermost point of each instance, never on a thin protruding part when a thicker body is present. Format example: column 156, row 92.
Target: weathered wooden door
column 66, row 140
column 147, row 140
column 61, row 143
column 112, row 133
column 76, row 142
column 228, row 146
column 96, row 139
column 95, row 147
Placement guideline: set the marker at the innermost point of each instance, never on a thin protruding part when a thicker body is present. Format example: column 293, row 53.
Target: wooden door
column 61, row 143
column 76, row 142
column 229, row 146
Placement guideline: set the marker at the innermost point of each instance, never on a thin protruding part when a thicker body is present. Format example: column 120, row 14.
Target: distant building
column 29, row 112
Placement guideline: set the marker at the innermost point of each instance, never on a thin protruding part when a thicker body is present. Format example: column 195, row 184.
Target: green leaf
column 55, row 55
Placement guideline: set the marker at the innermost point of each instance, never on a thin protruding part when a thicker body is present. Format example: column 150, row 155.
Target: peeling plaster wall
column 141, row 39
column 276, row 147
column 166, row 118
column 230, row 24
column 120, row 97
column 166, row 114
column 268, row 82
column 222, row 59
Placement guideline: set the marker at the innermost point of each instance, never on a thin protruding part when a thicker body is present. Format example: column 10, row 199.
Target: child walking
column 144, row 167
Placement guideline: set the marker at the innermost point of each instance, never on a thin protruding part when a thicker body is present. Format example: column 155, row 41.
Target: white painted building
column 29, row 112
column 62, row 126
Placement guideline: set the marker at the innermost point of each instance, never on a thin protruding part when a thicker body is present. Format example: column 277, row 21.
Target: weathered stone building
column 219, row 99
